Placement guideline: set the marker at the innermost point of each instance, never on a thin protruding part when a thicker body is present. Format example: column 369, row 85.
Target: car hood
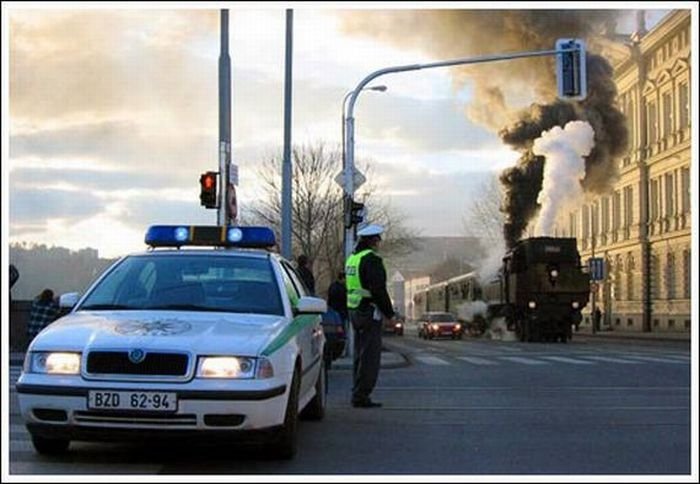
column 201, row 333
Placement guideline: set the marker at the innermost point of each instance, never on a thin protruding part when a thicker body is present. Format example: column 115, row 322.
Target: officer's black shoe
column 366, row 404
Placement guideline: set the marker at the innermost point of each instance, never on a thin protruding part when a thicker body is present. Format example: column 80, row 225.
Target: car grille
column 154, row 364
column 131, row 418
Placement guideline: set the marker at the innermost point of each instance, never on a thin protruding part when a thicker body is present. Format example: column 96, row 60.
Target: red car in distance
column 439, row 324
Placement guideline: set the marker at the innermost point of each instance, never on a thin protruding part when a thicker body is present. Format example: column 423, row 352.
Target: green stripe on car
column 297, row 324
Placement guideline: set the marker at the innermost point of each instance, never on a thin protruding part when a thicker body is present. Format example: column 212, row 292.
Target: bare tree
column 317, row 208
column 483, row 217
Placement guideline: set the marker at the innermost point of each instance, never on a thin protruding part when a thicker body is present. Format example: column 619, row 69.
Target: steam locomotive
column 540, row 291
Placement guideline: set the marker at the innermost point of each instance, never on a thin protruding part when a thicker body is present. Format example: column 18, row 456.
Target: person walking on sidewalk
column 368, row 304
column 43, row 312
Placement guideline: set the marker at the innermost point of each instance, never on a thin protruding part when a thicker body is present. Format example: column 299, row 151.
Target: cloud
column 39, row 206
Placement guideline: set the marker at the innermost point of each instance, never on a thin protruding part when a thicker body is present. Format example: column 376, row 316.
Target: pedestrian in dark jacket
column 338, row 296
column 43, row 312
column 307, row 276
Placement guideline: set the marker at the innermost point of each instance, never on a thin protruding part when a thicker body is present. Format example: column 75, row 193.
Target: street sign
column 358, row 179
column 596, row 268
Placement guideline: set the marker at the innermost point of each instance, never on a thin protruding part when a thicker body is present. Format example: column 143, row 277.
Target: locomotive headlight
column 574, row 304
column 554, row 273
column 532, row 304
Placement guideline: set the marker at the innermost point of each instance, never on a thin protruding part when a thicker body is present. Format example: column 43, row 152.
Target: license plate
column 139, row 401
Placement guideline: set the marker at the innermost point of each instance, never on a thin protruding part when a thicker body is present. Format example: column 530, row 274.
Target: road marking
column 525, row 361
column 431, row 360
column 654, row 359
column 611, row 360
column 564, row 359
column 476, row 360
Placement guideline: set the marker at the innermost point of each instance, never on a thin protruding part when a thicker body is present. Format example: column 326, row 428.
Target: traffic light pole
column 349, row 123
column 223, row 211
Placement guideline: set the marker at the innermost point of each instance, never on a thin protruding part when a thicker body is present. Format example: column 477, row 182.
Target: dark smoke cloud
column 523, row 182
column 448, row 34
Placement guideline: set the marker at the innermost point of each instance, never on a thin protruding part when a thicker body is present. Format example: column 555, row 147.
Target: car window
column 197, row 282
column 442, row 318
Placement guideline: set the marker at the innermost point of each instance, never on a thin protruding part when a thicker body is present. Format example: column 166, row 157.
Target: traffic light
column 571, row 69
column 354, row 212
column 207, row 193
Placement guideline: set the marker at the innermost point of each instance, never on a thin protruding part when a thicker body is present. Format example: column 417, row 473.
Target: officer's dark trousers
column 367, row 354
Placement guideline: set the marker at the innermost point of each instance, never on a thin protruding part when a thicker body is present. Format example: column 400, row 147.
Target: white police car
column 181, row 342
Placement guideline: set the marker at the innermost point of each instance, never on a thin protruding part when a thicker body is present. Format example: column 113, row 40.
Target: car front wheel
column 284, row 445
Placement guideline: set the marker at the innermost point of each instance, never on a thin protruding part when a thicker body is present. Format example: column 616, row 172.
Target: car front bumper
column 60, row 410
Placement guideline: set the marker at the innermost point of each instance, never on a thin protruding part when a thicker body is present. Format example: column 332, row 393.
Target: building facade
column 642, row 229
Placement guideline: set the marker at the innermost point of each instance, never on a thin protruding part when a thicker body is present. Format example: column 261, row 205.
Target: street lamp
column 380, row 88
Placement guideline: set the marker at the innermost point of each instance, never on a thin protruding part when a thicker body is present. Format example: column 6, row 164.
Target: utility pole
column 287, row 155
column 224, row 211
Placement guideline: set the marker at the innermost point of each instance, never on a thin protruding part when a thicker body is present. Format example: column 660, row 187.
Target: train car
column 542, row 289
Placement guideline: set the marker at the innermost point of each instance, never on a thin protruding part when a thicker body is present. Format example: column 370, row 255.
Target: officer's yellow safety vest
column 352, row 279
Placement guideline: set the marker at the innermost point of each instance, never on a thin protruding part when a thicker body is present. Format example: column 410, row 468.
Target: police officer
column 368, row 304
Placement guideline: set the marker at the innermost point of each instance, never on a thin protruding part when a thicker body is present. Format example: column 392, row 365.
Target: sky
column 113, row 110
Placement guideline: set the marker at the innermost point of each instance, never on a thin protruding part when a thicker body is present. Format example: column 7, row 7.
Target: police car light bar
column 208, row 235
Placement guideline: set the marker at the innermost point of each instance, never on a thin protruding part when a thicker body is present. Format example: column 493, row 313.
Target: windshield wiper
column 107, row 306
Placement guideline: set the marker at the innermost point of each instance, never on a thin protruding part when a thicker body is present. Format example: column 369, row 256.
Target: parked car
column 336, row 335
column 437, row 324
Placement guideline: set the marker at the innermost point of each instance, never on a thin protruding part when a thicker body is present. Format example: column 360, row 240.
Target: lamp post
column 349, row 234
column 348, row 240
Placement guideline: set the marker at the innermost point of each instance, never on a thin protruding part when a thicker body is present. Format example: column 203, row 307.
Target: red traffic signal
column 207, row 194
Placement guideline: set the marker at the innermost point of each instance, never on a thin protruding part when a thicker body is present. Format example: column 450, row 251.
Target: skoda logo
column 137, row 356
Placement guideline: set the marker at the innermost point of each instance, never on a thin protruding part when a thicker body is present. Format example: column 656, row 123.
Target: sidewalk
column 607, row 332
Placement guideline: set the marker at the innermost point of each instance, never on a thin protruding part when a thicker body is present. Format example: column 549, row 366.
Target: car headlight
column 458, row 327
column 574, row 304
column 53, row 363
column 532, row 304
column 398, row 325
column 234, row 367
column 434, row 327
column 554, row 273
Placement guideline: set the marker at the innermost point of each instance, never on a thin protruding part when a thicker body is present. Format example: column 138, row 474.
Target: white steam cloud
column 564, row 168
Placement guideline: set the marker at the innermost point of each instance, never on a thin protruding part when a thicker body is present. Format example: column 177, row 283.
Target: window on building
column 667, row 113
column 686, row 274
column 594, row 219
column 617, row 280
column 616, row 210
column 669, row 197
column 685, row 185
column 584, row 221
column 654, row 200
column 631, row 276
column 670, row 276
column 605, row 214
column 628, row 193
column 683, row 105
column 655, row 277
column 652, row 123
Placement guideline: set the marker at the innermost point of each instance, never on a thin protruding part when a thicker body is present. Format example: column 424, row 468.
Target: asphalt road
column 591, row 407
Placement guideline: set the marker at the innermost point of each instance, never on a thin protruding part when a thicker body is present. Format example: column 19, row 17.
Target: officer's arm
column 373, row 278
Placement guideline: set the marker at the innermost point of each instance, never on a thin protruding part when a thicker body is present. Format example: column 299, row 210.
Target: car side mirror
column 311, row 305
column 68, row 300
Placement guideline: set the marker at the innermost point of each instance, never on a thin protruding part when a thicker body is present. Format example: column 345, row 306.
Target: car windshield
column 442, row 318
column 185, row 282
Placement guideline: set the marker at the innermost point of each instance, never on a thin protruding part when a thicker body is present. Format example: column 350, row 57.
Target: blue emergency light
column 210, row 235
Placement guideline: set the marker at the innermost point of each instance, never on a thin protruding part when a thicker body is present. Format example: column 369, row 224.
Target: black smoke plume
column 523, row 182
